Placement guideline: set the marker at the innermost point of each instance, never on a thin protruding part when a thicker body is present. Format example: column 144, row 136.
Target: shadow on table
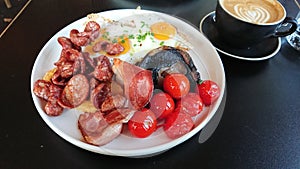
column 243, row 67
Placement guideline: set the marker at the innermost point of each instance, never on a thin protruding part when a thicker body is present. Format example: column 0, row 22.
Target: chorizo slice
column 50, row 93
column 66, row 43
column 140, row 89
column 54, row 92
column 71, row 54
column 79, row 38
column 57, row 79
column 100, row 46
column 79, row 65
column 103, row 70
column 92, row 26
column 52, row 108
column 41, row 89
column 114, row 48
column 88, row 60
column 99, row 94
column 93, row 83
column 137, row 82
column 66, row 69
column 75, row 92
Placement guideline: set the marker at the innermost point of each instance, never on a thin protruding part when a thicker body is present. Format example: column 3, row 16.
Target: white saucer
column 262, row 51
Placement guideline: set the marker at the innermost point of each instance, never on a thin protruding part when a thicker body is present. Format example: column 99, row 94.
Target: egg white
column 137, row 29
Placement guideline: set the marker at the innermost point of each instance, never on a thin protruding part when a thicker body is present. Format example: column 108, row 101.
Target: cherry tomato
column 190, row 104
column 209, row 91
column 162, row 104
column 176, row 85
column 143, row 123
column 178, row 124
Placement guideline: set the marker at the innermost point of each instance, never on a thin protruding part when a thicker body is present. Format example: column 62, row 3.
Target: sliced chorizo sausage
column 52, row 108
column 79, row 38
column 140, row 89
column 92, row 26
column 99, row 94
column 114, row 48
column 66, row 43
column 137, row 82
column 75, row 92
column 103, row 70
column 41, row 89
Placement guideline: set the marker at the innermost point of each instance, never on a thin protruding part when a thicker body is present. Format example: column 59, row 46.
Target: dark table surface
column 260, row 127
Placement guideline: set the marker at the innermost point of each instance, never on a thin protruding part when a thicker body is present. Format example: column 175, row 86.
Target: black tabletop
column 260, row 126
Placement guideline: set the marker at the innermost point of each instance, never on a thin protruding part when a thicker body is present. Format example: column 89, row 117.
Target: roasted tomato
column 209, row 91
column 176, row 85
column 143, row 123
column 190, row 104
column 178, row 124
column 162, row 104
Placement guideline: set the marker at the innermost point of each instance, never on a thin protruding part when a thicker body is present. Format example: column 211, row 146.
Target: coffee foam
column 255, row 11
column 252, row 13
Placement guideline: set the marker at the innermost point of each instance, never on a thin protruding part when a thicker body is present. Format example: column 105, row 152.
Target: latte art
column 252, row 13
column 255, row 11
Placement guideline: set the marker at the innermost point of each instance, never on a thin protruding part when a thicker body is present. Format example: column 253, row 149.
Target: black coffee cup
column 241, row 33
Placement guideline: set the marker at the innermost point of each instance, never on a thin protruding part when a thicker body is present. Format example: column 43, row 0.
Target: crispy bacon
column 113, row 102
column 96, row 130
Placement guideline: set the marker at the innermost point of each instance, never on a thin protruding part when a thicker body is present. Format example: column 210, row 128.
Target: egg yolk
column 125, row 42
column 163, row 30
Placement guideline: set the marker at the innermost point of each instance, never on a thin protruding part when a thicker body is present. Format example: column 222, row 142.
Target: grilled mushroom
column 167, row 59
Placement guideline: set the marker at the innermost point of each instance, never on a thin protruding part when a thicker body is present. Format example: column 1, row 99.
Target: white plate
column 203, row 54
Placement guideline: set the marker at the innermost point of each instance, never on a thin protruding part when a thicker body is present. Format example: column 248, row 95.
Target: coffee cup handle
column 279, row 33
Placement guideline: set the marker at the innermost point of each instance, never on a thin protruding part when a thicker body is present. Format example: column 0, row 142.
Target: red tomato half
column 209, row 91
column 162, row 104
column 190, row 104
column 178, row 124
column 143, row 123
column 176, row 85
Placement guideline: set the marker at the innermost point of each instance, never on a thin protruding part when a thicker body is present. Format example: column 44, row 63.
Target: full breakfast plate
column 128, row 39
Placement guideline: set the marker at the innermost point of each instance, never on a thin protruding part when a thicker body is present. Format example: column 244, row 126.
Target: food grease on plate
column 261, row 51
column 106, row 56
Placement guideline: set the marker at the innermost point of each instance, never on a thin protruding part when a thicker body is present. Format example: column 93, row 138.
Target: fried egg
column 139, row 34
